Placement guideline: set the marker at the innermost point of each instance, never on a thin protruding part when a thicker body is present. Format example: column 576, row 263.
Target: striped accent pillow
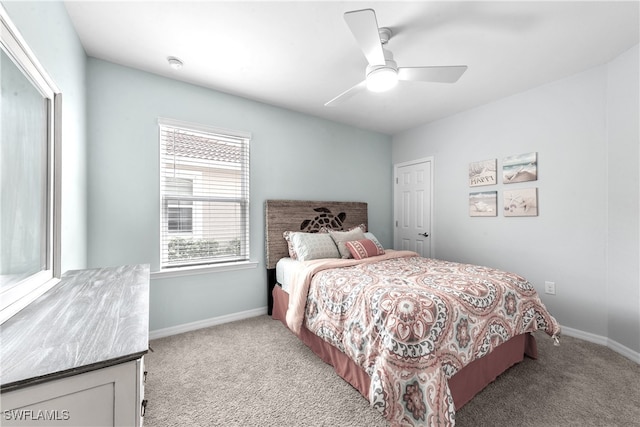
column 364, row 248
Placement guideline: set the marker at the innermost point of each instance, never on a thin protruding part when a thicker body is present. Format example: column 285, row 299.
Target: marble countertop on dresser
column 91, row 319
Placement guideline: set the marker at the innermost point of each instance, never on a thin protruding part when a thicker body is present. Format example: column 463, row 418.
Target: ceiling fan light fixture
column 382, row 79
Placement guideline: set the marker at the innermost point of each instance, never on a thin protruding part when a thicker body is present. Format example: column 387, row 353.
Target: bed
column 417, row 337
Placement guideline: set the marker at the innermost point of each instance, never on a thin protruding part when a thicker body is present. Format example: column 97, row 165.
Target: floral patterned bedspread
column 411, row 323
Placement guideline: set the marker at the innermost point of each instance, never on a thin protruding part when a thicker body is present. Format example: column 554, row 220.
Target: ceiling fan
column 383, row 73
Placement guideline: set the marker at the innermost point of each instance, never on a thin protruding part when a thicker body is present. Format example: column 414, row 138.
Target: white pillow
column 369, row 235
column 308, row 246
column 340, row 237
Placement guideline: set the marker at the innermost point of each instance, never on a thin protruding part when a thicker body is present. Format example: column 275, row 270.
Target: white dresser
column 75, row 356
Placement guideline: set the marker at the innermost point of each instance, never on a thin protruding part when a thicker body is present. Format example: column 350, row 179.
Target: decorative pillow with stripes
column 364, row 248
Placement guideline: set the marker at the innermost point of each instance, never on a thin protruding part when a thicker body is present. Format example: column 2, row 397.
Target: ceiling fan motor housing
column 385, row 34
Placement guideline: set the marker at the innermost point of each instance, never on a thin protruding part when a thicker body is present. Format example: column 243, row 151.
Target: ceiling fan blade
column 446, row 74
column 347, row 94
column 364, row 26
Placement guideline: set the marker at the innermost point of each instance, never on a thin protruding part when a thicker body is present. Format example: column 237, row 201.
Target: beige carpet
column 255, row 372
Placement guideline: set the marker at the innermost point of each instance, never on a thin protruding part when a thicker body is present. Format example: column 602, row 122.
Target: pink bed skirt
column 465, row 384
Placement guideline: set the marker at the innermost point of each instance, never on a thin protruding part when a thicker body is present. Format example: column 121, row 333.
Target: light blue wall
column 568, row 123
column 293, row 156
column 48, row 31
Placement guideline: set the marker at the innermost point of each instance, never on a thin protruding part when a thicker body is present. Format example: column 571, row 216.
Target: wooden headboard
column 303, row 215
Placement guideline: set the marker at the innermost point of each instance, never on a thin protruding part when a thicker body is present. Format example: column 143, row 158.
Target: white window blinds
column 204, row 189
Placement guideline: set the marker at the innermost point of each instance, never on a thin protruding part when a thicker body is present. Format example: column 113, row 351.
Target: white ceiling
column 299, row 55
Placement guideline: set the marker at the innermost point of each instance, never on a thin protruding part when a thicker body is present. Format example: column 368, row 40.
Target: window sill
column 213, row 268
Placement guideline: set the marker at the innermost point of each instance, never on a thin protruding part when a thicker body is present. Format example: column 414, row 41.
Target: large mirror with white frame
column 30, row 108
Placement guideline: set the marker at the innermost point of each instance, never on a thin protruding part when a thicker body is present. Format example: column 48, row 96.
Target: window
column 29, row 175
column 204, row 188
column 180, row 212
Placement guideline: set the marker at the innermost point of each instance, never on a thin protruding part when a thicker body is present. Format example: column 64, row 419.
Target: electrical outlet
column 550, row 288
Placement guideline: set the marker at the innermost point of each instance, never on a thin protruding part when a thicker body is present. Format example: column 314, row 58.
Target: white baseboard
column 587, row 336
column 598, row 339
column 187, row 327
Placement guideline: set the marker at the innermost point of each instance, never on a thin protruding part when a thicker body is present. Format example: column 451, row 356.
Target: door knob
column 423, row 234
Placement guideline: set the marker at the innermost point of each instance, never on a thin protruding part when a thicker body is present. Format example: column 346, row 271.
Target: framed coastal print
column 520, row 168
column 483, row 203
column 521, row 202
column 482, row 173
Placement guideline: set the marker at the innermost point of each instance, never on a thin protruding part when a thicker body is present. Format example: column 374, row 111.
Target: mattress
column 286, row 268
